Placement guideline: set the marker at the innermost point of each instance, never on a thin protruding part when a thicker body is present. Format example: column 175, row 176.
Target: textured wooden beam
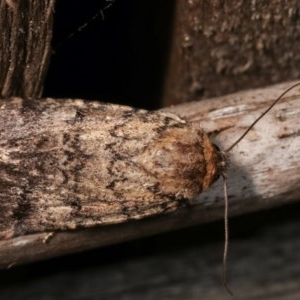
column 264, row 252
column 264, row 173
column 224, row 47
column 25, row 35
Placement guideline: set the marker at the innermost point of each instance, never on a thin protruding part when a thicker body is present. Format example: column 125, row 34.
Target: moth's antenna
column 261, row 116
column 226, row 243
column 99, row 13
column 226, row 227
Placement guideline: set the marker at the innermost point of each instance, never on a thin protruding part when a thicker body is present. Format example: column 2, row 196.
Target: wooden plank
column 186, row 264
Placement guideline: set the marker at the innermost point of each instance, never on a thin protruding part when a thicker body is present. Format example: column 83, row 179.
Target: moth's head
column 216, row 161
column 222, row 163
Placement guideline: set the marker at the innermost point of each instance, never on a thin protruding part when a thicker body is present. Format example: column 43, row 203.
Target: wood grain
column 25, row 36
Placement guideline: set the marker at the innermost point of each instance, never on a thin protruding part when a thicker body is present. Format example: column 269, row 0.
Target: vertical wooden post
column 25, row 35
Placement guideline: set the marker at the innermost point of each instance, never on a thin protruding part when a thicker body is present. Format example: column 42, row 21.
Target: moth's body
column 69, row 163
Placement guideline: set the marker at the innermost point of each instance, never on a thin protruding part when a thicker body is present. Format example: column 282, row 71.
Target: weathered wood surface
column 263, row 264
column 231, row 45
column 25, row 35
column 264, row 173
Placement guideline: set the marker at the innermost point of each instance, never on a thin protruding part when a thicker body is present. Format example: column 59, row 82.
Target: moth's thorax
column 183, row 161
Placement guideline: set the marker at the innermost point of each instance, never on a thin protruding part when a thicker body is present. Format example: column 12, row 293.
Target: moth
column 71, row 164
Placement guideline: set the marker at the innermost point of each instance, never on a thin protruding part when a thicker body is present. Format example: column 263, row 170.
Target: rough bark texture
column 25, row 35
column 225, row 46
column 264, row 173
column 67, row 164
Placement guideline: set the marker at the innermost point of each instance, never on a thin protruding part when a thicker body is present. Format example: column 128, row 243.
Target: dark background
column 120, row 59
